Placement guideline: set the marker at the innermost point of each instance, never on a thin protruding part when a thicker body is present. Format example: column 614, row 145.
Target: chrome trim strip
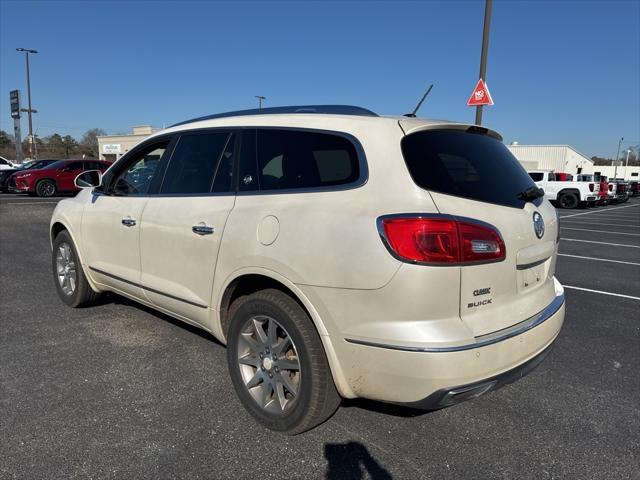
column 525, row 266
column 483, row 340
column 153, row 290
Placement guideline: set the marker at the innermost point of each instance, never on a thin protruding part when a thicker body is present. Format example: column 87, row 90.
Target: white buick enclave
column 336, row 253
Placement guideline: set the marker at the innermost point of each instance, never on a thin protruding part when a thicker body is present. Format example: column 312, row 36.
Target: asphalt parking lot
column 119, row 391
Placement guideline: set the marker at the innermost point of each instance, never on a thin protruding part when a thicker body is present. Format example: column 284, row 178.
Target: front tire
column 71, row 283
column 46, row 188
column 277, row 363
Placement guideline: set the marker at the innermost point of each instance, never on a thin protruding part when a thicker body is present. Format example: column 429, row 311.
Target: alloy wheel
column 46, row 189
column 269, row 364
column 66, row 269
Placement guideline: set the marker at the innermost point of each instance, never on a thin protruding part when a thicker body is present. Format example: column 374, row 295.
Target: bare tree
column 89, row 142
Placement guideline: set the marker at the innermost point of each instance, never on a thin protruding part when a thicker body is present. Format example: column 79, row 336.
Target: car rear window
column 465, row 164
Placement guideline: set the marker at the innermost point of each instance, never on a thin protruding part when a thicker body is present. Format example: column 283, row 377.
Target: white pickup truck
column 566, row 194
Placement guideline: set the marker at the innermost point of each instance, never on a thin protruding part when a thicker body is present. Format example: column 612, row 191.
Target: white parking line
column 601, row 292
column 25, row 203
column 601, row 243
column 599, row 231
column 598, row 259
column 613, row 215
column 596, row 211
column 600, row 223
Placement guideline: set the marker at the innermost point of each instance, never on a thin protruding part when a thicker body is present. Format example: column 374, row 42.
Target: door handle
column 128, row 222
column 202, row 229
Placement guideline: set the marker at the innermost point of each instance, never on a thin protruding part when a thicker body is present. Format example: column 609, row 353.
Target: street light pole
column 615, row 170
column 29, row 110
column 624, row 177
column 260, row 99
column 483, row 57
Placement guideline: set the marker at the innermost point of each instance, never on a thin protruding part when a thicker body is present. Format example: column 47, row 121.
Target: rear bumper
column 437, row 377
column 447, row 397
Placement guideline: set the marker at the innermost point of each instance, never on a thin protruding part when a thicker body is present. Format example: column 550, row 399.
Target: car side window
column 195, row 161
column 137, row 176
column 75, row 167
column 293, row 159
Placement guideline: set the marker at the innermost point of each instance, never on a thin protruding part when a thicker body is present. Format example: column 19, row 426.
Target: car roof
column 314, row 116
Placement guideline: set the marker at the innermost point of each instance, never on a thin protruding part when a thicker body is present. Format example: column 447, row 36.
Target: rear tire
column 46, row 188
column 568, row 200
column 71, row 283
column 277, row 363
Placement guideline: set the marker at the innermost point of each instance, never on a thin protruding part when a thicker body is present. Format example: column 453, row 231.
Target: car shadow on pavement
column 385, row 408
column 114, row 298
column 352, row 461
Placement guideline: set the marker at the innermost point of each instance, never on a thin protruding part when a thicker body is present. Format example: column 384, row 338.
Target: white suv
column 337, row 253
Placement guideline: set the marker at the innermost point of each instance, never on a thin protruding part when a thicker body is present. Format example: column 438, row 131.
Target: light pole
column 626, row 164
column 483, row 56
column 615, row 170
column 29, row 110
column 260, row 99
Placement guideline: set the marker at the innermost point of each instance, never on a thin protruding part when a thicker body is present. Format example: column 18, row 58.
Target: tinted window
column 95, row 166
column 75, row 166
column 290, row 159
column 223, row 181
column 136, row 179
column 465, row 164
column 536, row 176
column 552, row 177
column 194, row 162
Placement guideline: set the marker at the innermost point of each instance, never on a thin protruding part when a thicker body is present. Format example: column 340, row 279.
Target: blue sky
column 560, row 72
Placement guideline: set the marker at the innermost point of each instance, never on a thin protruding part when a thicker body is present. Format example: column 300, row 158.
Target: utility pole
column 29, row 110
column 260, row 99
column 615, row 170
column 483, row 57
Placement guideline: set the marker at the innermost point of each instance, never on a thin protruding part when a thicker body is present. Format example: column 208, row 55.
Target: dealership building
column 112, row 147
column 565, row 158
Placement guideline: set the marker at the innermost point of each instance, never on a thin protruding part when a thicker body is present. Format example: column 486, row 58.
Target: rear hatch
column 469, row 173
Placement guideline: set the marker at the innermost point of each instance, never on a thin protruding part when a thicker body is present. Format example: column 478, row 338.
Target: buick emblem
column 538, row 224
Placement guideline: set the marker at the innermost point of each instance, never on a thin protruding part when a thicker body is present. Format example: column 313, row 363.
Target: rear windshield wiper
column 530, row 194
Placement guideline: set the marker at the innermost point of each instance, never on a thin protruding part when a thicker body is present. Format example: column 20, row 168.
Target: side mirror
column 89, row 179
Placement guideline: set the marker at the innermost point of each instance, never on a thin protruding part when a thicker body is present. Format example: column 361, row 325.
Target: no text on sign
column 480, row 95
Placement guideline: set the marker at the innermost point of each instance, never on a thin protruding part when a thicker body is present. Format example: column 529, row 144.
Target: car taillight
column 441, row 240
column 591, row 187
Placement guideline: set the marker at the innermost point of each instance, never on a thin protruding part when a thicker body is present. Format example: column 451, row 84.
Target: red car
column 57, row 177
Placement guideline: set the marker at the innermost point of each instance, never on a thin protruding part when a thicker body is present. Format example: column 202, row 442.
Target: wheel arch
column 248, row 281
column 58, row 226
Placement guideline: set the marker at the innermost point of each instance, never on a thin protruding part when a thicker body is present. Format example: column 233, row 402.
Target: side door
column 183, row 225
column 111, row 221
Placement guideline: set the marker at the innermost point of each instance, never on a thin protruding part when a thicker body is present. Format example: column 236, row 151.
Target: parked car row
column 45, row 178
column 586, row 190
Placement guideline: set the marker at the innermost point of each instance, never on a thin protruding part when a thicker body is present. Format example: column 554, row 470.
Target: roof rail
column 326, row 109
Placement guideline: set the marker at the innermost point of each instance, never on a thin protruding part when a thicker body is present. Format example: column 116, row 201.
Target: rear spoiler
column 413, row 125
